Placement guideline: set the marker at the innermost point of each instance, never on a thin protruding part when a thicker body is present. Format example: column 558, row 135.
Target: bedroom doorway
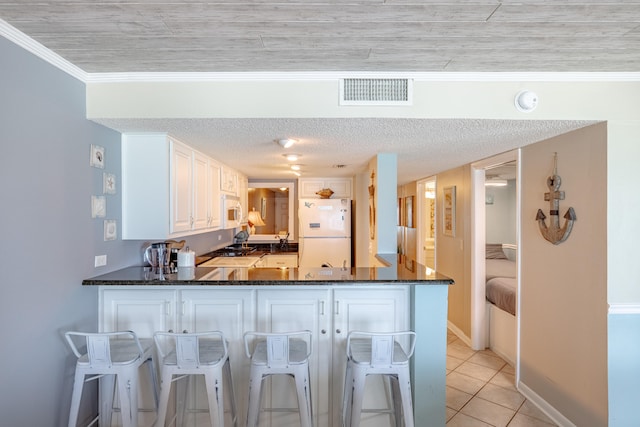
column 426, row 249
column 504, row 230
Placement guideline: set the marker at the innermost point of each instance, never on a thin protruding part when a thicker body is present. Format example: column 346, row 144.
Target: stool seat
column 111, row 357
column 284, row 353
column 377, row 353
column 188, row 354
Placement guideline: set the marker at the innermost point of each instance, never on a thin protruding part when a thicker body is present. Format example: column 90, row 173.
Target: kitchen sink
column 231, row 261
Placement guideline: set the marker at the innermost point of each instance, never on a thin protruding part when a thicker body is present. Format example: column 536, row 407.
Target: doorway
column 504, row 230
column 426, row 211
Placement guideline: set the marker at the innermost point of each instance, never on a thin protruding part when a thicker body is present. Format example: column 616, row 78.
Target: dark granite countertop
column 228, row 276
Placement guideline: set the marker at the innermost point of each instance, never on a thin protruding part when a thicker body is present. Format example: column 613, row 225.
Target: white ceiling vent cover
column 376, row 91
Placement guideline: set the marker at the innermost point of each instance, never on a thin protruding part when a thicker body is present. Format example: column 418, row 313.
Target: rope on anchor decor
column 554, row 233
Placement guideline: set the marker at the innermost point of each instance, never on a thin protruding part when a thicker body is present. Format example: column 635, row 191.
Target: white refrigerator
column 324, row 238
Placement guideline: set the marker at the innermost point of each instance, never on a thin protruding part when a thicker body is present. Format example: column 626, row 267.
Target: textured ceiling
column 424, row 147
column 389, row 36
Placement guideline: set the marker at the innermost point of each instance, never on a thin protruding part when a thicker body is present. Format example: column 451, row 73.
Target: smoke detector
column 526, row 101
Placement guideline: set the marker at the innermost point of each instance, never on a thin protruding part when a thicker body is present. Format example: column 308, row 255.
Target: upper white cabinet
column 341, row 187
column 229, row 181
column 168, row 189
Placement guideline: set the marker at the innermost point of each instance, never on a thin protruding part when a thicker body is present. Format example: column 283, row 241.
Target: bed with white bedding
column 501, row 295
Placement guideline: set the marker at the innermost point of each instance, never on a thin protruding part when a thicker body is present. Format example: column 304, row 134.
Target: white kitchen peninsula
column 329, row 302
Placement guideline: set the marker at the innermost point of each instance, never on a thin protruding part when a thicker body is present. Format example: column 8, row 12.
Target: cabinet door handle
column 170, row 331
column 338, row 331
column 167, row 308
column 337, row 308
column 323, row 332
column 185, row 332
column 322, row 309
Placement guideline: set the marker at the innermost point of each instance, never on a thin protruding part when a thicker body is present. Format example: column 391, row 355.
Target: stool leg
column 359, row 379
column 215, row 396
column 107, row 396
column 347, row 396
column 304, row 396
column 154, row 379
column 163, row 406
column 78, row 384
column 404, row 380
column 255, row 385
column 229, row 387
column 128, row 389
column 397, row 399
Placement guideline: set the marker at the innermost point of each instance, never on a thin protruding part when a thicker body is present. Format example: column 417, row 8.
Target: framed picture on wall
column 449, row 211
column 97, row 156
column 408, row 211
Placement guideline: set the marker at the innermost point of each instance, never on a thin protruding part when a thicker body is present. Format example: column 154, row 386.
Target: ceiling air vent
column 375, row 91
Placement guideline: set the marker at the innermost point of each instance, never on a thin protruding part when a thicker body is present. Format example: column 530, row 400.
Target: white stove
column 231, row 261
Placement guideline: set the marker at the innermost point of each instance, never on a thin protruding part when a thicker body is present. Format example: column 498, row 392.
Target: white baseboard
column 458, row 332
column 544, row 406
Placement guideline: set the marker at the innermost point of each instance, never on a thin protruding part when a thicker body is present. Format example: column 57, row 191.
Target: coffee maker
column 157, row 255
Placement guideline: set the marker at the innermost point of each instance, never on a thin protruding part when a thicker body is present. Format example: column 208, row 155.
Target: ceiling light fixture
column 291, row 157
column 295, row 167
column 495, row 182
column 286, row 143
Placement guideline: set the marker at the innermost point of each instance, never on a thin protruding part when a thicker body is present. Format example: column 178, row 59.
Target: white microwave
column 231, row 211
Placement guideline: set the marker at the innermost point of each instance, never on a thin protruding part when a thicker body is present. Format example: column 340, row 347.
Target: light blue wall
column 49, row 239
column 624, row 369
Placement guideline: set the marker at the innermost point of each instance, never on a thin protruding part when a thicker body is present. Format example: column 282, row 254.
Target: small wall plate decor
column 98, row 207
column 97, row 156
column 108, row 183
column 110, row 230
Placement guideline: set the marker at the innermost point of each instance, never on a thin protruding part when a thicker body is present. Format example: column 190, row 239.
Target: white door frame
column 478, row 240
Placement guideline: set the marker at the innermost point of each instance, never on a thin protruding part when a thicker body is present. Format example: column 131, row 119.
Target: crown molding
column 337, row 75
column 27, row 43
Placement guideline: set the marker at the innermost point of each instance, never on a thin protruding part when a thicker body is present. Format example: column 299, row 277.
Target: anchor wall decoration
column 554, row 233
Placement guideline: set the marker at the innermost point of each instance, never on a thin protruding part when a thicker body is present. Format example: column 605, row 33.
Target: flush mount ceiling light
column 286, row 143
column 292, row 157
column 295, row 167
column 526, row 101
column 495, row 182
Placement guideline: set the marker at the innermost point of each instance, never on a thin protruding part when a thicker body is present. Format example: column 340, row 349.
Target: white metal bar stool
column 279, row 353
column 187, row 354
column 372, row 353
column 112, row 357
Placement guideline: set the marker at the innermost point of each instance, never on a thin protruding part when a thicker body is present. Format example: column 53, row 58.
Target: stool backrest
column 382, row 348
column 98, row 346
column 283, row 348
column 188, row 346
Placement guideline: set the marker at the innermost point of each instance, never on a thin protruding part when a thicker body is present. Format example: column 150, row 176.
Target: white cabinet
column 278, row 260
column 341, row 187
column 168, row 189
column 329, row 313
column 232, row 312
column 143, row 312
column 213, row 193
column 181, row 194
column 371, row 310
column 285, row 310
column 229, row 181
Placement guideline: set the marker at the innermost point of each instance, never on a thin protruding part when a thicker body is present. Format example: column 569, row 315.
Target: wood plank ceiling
column 335, row 35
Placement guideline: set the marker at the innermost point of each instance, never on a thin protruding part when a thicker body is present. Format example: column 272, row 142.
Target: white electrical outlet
column 100, row 260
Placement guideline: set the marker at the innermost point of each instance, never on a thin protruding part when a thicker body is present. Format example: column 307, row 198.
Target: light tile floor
column 481, row 391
